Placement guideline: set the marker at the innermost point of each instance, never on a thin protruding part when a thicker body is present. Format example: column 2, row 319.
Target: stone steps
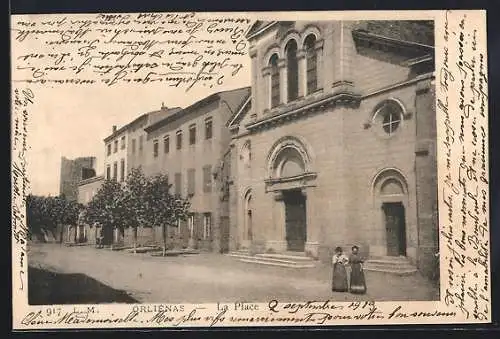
column 393, row 265
column 281, row 260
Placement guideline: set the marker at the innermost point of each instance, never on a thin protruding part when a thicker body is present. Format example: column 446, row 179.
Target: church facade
column 337, row 144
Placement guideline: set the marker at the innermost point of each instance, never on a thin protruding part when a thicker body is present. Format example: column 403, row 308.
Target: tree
column 46, row 213
column 163, row 208
column 108, row 208
column 134, row 191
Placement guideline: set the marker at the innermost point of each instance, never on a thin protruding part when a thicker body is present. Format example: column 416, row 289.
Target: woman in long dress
column 357, row 281
column 339, row 277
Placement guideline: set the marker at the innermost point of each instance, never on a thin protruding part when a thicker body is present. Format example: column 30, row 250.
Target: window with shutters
column 109, row 149
column 108, row 172
column 141, row 143
column 208, row 128
column 179, row 139
column 191, row 181
column 178, row 183
column 115, row 171
column 133, row 146
column 116, row 146
column 155, row 148
column 122, row 146
column 192, row 134
column 122, row 170
column 166, row 144
column 207, row 179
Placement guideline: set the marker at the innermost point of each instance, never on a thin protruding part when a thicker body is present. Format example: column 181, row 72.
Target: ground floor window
column 207, row 226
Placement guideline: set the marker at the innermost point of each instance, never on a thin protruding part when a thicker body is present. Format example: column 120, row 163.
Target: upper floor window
column 389, row 115
column 115, row 171
column 312, row 63
column 109, row 149
column 122, row 170
column 178, row 183
column 208, row 128
column 166, row 144
column 122, row 146
column 192, row 134
column 179, row 139
column 155, row 148
column 207, row 178
column 116, row 146
column 133, row 146
column 191, row 181
column 292, row 70
column 141, row 143
column 275, row 81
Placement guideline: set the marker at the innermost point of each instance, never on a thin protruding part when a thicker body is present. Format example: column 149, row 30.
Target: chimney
column 114, row 128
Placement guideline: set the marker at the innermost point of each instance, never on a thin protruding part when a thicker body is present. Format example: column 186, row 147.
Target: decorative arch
column 290, row 35
column 295, row 147
column 273, row 49
column 386, row 176
column 308, row 30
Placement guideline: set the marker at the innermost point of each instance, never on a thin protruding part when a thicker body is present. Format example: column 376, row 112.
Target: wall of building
column 87, row 189
column 72, row 172
column 116, row 157
column 348, row 151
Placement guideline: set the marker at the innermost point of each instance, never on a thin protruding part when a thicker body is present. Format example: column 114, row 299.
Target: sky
column 73, row 122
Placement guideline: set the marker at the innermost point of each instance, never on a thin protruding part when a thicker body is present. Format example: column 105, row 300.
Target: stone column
column 313, row 228
column 301, row 57
column 278, row 243
column 266, row 75
column 319, row 63
column 254, row 64
column 283, row 81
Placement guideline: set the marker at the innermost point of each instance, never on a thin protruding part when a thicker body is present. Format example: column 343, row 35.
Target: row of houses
column 332, row 144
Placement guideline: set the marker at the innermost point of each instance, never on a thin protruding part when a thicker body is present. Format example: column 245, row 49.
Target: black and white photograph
column 248, row 162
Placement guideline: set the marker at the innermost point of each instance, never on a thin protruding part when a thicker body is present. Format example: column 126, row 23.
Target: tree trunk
column 135, row 239
column 164, row 235
column 61, row 235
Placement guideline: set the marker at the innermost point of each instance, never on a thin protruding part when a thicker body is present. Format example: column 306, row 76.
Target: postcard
column 179, row 170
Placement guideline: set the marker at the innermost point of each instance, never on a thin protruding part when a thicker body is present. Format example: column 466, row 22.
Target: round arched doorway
column 391, row 195
column 289, row 178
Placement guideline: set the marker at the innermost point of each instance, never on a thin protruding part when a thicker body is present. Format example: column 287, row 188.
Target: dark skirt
column 358, row 284
column 339, row 278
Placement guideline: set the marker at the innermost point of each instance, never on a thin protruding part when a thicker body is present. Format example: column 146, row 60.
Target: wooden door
column 295, row 220
column 395, row 228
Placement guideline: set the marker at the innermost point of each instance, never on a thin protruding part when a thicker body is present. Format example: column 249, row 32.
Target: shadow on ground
column 49, row 288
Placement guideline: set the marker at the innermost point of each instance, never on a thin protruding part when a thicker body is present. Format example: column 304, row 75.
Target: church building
column 337, row 144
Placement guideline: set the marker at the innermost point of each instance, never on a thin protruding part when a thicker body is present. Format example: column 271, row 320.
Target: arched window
column 292, row 70
column 275, row 81
column 312, row 64
column 289, row 163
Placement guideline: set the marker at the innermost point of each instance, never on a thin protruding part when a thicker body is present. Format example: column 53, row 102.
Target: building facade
column 72, row 172
column 189, row 146
column 337, row 145
column 87, row 189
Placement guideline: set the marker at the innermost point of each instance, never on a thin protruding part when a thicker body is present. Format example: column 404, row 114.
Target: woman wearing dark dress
column 358, row 284
column 339, row 277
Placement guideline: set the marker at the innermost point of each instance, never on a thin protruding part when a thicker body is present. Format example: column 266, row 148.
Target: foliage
column 163, row 207
column 108, row 208
column 46, row 213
